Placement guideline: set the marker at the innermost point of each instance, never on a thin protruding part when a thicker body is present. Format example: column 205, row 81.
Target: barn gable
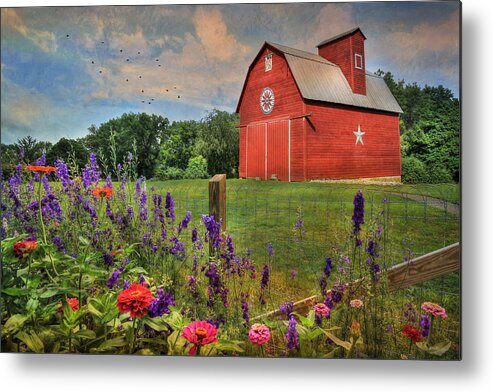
column 319, row 79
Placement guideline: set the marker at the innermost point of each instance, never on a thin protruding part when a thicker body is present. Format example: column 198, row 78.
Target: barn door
column 267, row 150
column 278, row 150
column 255, row 151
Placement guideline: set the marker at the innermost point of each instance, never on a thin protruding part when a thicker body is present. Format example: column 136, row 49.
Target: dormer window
column 358, row 61
column 268, row 62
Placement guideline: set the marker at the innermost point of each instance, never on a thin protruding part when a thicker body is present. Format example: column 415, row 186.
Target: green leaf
column 14, row 323
column 111, row 344
column 146, row 351
column 32, row 341
column 311, row 335
column 336, row 340
column 85, row 334
column 229, row 345
column 15, row 291
column 308, row 321
column 437, row 349
column 48, row 293
column 156, row 323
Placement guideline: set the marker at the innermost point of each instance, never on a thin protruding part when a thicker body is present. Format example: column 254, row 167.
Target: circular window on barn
column 267, row 100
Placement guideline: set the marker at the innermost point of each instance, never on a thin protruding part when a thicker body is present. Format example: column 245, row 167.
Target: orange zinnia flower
column 43, row 169
column 105, row 192
column 22, row 248
column 136, row 299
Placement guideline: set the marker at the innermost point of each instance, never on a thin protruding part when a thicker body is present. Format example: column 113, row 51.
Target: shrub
column 414, row 171
column 438, row 174
column 197, row 168
column 170, row 173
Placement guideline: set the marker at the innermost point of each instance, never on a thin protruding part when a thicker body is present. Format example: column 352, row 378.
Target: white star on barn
column 359, row 135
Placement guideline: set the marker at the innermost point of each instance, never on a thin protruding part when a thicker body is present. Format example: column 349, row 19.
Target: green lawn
column 266, row 211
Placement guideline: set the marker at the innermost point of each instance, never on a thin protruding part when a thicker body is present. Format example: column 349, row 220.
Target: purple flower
column 126, row 284
column 91, row 172
column 270, row 249
column 62, row 173
column 424, row 325
column 184, row 223
column 286, row 308
column 170, row 207
column 114, row 279
column 328, row 266
column 108, row 259
column 244, row 307
column 59, row 244
column 213, row 228
column 264, row 282
column 323, row 285
column 160, row 305
column 372, row 248
column 358, row 217
column 194, row 235
column 293, row 274
column 292, row 334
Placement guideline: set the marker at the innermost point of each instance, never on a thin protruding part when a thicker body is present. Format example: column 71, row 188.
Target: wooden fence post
column 217, row 199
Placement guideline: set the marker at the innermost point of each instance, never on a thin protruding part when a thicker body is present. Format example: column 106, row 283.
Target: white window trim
column 268, row 57
column 356, row 57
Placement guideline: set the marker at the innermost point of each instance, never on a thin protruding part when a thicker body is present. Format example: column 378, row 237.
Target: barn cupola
column 347, row 50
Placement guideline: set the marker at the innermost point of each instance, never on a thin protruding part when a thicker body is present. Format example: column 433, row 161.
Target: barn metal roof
column 321, row 80
column 336, row 37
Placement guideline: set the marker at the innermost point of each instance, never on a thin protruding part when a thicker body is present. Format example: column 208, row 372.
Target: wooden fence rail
column 421, row 269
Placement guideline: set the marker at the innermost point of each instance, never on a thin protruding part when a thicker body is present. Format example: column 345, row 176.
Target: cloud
column 332, row 19
column 422, row 39
column 213, row 34
column 45, row 40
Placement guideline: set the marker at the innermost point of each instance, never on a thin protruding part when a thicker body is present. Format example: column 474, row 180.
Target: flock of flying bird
column 140, row 76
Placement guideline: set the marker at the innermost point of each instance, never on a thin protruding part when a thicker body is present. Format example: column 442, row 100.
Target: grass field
column 259, row 212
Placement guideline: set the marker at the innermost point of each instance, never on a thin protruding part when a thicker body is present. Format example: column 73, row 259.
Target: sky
column 65, row 68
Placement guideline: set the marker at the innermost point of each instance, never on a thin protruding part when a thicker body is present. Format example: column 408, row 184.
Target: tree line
column 158, row 149
column 430, row 131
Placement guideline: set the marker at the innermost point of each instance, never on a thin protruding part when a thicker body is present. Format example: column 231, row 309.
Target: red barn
column 305, row 116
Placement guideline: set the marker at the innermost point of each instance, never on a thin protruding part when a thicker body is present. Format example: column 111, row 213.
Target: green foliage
column 414, row 171
column 218, row 142
column 177, row 148
column 197, row 168
column 147, row 131
column 430, row 127
column 170, row 173
column 68, row 150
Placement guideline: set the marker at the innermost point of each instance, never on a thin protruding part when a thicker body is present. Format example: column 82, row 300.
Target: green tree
column 218, row 142
column 68, row 150
column 177, row 148
column 144, row 131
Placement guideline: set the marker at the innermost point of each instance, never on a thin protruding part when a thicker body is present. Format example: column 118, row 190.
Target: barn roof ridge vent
column 342, row 35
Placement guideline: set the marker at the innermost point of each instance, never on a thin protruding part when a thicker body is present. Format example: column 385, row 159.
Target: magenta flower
column 434, row 309
column 259, row 334
column 199, row 333
column 321, row 310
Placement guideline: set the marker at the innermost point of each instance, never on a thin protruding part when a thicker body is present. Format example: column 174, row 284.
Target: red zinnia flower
column 43, row 169
column 412, row 333
column 199, row 333
column 136, row 299
column 73, row 302
column 105, row 192
column 24, row 247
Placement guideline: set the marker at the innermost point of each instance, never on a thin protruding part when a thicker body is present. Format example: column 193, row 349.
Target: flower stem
column 40, row 188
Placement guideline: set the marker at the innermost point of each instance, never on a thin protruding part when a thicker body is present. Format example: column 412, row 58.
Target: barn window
column 358, row 61
column 268, row 62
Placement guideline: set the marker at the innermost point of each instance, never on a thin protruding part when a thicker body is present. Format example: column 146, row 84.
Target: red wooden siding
column 287, row 99
column 277, row 150
column 242, row 168
column 255, row 151
column 341, row 52
column 332, row 152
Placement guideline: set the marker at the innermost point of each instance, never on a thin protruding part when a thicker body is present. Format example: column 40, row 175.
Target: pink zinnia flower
column 259, row 334
column 434, row 309
column 356, row 303
column 321, row 310
column 199, row 333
